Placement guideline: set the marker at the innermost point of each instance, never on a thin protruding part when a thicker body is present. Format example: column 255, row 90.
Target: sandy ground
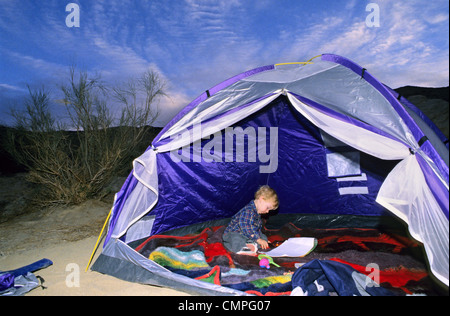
column 67, row 236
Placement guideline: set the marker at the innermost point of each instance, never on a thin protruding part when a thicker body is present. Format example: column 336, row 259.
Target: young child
column 243, row 234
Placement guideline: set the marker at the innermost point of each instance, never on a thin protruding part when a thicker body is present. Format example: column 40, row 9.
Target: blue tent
column 325, row 134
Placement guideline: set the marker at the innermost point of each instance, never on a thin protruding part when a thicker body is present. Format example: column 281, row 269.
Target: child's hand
column 262, row 243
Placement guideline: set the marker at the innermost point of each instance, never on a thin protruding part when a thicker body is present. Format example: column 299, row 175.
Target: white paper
column 294, row 247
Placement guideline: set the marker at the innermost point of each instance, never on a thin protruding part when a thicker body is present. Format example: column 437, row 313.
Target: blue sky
column 196, row 44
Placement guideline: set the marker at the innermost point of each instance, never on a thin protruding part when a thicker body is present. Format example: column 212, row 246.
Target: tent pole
column 295, row 63
column 98, row 240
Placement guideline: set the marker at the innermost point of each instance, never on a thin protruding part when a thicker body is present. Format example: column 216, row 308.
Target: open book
column 294, row 247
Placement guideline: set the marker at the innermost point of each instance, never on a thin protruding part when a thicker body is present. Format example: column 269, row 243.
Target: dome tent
column 325, row 134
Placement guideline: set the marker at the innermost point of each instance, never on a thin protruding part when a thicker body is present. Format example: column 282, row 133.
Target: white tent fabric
column 144, row 196
column 200, row 127
column 357, row 137
column 326, row 83
column 406, row 193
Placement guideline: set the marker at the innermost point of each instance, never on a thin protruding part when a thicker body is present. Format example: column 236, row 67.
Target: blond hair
column 268, row 194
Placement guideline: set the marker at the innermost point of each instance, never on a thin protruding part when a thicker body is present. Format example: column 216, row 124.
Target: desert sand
column 67, row 236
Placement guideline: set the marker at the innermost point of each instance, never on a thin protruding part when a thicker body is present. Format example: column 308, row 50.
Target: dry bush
column 72, row 166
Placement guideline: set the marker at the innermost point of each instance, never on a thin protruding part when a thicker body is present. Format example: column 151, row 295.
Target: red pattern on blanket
column 402, row 267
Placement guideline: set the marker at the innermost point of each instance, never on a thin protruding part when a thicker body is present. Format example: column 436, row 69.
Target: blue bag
column 21, row 280
column 328, row 278
column 6, row 281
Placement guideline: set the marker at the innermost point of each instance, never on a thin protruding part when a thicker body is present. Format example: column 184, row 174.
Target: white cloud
column 170, row 105
column 45, row 68
column 438, row 18
column 5, row 86
column 353, row 39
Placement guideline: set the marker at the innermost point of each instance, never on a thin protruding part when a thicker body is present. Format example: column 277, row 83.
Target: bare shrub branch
column 72, row 166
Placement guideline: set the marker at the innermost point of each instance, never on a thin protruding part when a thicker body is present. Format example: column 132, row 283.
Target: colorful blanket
column 395, row 259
